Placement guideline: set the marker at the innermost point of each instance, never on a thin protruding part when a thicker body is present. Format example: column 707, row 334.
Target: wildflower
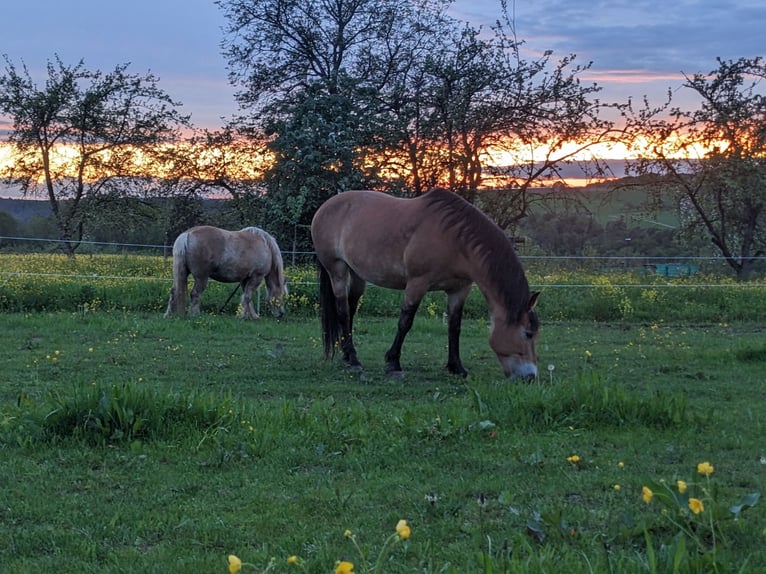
column 588, row 354
column 621, row 464
column 235, row 564
column 344, row 568
column 347, row 533
column 696, row 506
column 403, row 529
column 617, row 487
column 647, row 494
column 573, row 459
column 681, row 486
column 292, row 560
column 705, row 468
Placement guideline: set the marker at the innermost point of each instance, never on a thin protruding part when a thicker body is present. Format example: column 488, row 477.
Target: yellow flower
column 647, row 494
column 292, row 560
column 347, row 533
column 621, row 464
column 696, row 506
column 574, row 458
column 588, row 354
column 705, row 468
column 403, row 529
column 235, row 564
column 617, row 487
column 681, row 486
column 344, row 568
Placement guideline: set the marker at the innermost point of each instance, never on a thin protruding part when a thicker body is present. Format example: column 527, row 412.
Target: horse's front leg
column 406, row 318
column 200, row 284
column 246, row 302
column 455, row 303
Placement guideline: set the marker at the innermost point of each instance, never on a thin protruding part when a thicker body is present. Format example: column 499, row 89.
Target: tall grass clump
column 586, row 401
column 113, row 413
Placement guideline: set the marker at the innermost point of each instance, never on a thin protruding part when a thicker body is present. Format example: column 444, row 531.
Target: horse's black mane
column 480, row 234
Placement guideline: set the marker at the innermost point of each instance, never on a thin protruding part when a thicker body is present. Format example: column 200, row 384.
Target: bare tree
column 712, row 160
column 85, row 137
column 276, row 46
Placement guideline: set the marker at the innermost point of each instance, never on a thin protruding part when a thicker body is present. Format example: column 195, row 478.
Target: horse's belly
column 388, row 277
column 223, row 278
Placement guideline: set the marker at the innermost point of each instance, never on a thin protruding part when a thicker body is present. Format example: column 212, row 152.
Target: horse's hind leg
column 171, row 303
column 200, row 284
column 355, row 291
column 341, row 284
column 177, row 300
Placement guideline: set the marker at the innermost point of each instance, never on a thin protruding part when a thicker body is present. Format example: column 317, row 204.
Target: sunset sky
column 638, row 47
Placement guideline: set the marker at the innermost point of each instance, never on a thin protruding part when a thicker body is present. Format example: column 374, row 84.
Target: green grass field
column 133, row 443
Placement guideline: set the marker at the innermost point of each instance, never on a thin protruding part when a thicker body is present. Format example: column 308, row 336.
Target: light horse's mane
column 277, row 264
column 503, row 270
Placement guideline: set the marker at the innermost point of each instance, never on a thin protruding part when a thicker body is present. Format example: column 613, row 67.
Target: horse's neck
column 493, row 297
column 495, row 291
column 274, row 279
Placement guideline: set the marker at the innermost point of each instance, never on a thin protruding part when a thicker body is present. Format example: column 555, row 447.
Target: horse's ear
column 533, row 300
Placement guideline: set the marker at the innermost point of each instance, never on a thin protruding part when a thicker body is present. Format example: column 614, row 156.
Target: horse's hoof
column 458, row 371
column 353, row 364
column 394, row 371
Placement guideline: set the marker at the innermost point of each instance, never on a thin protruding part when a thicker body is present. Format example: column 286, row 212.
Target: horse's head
column 277, row 294
column 514, row 342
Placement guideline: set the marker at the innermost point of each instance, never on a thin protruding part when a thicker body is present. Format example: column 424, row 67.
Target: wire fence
column 671, row 266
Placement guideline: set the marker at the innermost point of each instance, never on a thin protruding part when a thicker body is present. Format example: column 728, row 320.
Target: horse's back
column 384, row 239
column 223, row 255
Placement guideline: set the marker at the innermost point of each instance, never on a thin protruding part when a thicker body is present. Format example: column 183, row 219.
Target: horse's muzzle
column 527, row 372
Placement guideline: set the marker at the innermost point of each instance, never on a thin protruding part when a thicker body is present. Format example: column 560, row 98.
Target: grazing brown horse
column 435, row 242
column 248, row 257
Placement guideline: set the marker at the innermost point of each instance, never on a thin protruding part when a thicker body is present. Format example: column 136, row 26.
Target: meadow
column 134, row 443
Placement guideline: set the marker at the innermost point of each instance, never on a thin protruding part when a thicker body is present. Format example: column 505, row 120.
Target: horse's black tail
column 328, row 311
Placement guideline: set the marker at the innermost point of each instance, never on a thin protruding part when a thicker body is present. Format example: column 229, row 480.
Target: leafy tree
column 407, row 93
column 310, row 71
column 318, row 149
column 562, row 233
column 713, row 159
column 86, row 137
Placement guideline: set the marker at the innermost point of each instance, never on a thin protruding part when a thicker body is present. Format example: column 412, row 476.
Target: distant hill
column 623, row 198
column 25, row 209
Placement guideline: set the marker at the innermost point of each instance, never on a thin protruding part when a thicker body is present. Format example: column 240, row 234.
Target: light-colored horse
column 246, row 257
column 435, row 242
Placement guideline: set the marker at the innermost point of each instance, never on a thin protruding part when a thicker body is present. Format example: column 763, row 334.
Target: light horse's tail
column 177, row 302
column 328, row 310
